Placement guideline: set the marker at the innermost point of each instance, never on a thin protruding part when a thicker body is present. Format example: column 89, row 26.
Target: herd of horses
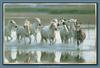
column 70, row 31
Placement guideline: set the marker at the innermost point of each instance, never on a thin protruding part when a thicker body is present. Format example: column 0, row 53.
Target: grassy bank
column 52, row 10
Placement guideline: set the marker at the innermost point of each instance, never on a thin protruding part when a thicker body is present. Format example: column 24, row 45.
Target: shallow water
column 88, row 47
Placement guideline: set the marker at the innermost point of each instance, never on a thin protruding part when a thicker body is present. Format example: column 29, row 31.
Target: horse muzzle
column 15, row 26
column 56, row 29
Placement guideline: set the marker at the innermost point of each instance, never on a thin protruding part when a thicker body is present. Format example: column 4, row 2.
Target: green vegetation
column 52, row 10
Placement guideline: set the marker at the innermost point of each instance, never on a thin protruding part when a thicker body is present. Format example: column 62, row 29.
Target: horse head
column 53, row 26
column 12, row 24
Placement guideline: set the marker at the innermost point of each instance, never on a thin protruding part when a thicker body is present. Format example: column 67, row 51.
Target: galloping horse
column 64, row 31
column 67, row 31
column 80, row 35
column 33, row 27
column 9, row 28
column 48, row 32
column 71, row 31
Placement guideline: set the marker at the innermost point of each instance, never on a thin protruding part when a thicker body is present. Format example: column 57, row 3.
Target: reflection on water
column 89, row 56
column 90, row 42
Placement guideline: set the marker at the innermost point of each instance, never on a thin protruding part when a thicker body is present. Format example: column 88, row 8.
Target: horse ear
column 12, row 21
column 38, row 19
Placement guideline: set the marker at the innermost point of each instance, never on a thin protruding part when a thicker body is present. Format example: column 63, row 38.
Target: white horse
column 64, row 31
column 69, row 29
column 9, row 28
column 76, row 33
column 48, row 32
column 19, row 29
column 33, row 27
column 27, row 30
column 22, row 32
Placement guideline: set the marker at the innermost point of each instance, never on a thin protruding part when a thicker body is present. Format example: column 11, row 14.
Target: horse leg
column 8, row 36
column 35, row 40
column 70, row 41
column 62, row 39
column 35, row 37
column 78, row 42
column 29, row 40
column 51, row 41
column 24, row 40
column 73, row 41
column 18, row 37
column 11, row 38
column 43, row 39
column 66, row 40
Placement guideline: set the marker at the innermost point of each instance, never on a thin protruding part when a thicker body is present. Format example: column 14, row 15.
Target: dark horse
column 80, row 36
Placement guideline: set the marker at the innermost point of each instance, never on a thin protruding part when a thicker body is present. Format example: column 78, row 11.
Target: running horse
column 79, row 35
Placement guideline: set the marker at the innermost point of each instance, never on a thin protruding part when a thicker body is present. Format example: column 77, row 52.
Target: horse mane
column 51, row 25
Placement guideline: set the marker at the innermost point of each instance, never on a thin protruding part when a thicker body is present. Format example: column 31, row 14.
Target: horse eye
column 15, row 26
column 39, row 24
column 58, row 24
column 24, row 26
column 63, row 23
column 10, row 21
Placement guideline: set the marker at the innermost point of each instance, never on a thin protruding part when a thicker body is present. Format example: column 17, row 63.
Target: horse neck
column 51, row 30
column 72, row 27
column 34, row 25
column 66, row 28
column 27, row 29
column 9, row 27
